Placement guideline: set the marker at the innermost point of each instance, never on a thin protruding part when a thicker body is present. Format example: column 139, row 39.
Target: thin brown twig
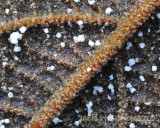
column 144, row 101
column 7, row 107
column 122, row 95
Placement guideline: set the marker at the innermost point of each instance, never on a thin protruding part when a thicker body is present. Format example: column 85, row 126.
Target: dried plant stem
column 143, row 101
column 34, row 77
column 59, row 17
column 122, row 95
column 15, row 109
column 86, row 70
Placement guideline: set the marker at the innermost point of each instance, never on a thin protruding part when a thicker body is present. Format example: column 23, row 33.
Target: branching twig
column 86, row 70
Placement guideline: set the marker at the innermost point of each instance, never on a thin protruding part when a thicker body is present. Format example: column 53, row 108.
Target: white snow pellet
column 91, row 2
column 132, row 125
column 23, row 29
column 140, row 34
column 110, row 117
column 127, row 68
column 10, row 94
column 142, row 78
column 14, row 37
column 56, row 120
column 58, row 35
column 6, row 10
column 108, row 10
column 154, row 68
column 91, row 43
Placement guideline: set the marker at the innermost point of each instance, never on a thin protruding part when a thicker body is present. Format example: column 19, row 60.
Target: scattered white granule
column 131, row 89
column 147, row 103
column 142, row 78
column 154, row 68
column 1, row 121
column 129, row 85
column 2, row 126
column 137, row 108
column 97, row 43
column 127, row 68
column 17, row 48
column 132, row 61
column 63, row 44
column 152, row 48
column 110, row 117
column 6, row 121
column 21, row 85
column 75, row 38
column 69, row 10
column 76, row 1
column 79, row 38
column 149, row 30
column 23, row 29
column 10, row 94
column 51, row 68
column 129, row 45
column 46, row 30
column 152, row 17
column 4, row 63
column 109, row 97
column 48, row 35
column 108, row 10
column 142, row 45
column 80, row 22
column 132, row 125
column 89, row 105
column 58, row 35
column 4, row 87
column 56, row 120
column 76, row 123
column 55, row 54
column 88, row 69
column 111, row 87
column 91, row 2
column 14, row 37
column 140, row 34
column 91, row 43
column 97, row 89
column 6, row 10
column 16, row 58
column 76, row 111
column 111, row 77
column 158, row 15
column 10, row 88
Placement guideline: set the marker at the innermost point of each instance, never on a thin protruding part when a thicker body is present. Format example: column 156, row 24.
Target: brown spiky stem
column 86, row 70
column 59, row 17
